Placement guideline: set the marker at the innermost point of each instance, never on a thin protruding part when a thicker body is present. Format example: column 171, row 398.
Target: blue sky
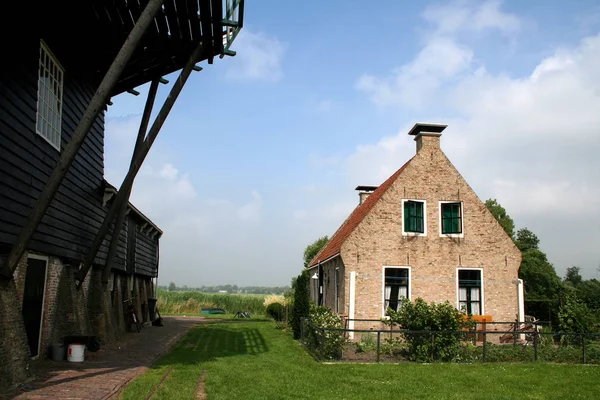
column 262, row 151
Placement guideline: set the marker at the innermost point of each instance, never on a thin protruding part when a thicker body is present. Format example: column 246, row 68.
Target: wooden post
column 112, row 250
column 94, row 108
column 138, row 160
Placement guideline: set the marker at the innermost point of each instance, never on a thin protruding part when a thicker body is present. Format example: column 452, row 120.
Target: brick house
column 422, row 233
column 64, row 61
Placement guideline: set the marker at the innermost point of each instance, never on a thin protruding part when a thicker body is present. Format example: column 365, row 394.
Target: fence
column 486, row 342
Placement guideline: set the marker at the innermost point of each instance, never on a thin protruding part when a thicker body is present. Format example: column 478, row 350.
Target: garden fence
column 486, row 342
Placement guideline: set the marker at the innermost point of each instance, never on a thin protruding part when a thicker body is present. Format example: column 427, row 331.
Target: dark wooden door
column 33, row 300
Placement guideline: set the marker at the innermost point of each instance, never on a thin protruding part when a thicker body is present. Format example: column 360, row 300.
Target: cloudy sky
column 262, row 152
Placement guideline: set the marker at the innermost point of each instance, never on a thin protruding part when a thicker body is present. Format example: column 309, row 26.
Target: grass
column 253, row 360
column 191, row 303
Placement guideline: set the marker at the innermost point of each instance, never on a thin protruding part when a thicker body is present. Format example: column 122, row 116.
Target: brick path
column 104, row 373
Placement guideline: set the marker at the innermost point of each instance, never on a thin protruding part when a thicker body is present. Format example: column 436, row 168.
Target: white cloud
column 251, row 212
column 442, row 59
column 259, row 57
column 169, row 172
column 471, row 16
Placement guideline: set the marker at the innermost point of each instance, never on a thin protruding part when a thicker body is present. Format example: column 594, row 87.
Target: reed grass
column 191, row 303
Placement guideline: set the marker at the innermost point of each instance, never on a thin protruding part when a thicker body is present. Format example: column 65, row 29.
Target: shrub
column 301, row 302
column 420, row 316
column 274, row 298
column 276, row 311
column 322, row 317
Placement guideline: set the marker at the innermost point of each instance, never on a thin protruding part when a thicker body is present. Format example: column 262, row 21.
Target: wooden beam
column 112, row 249
column 139, row 159
column 96, row 105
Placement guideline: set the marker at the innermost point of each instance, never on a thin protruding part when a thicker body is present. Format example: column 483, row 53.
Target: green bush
column 420, row 316
column 322, row 317
column 301, row 302
column 276, row 311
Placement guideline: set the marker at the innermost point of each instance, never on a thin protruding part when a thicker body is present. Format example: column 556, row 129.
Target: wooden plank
column 207, row 33
column 173, row 21
column 217, row 25
column 194, row 18
column 183, row 16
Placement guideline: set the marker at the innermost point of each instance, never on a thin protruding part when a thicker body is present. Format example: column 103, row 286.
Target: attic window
column 451, row 218
column 50, row 95
column 414, row 217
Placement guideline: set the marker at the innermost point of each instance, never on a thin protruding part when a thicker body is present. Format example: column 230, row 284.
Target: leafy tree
column 539, row 276
column 172, row 287
column 313, row 249
column 501, row 216
column 573, row 276
column 576, row 316
column 589, row 292
column 526, row 240
column 301, row 302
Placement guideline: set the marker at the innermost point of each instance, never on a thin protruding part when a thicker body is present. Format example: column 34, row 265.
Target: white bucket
column 76, row 352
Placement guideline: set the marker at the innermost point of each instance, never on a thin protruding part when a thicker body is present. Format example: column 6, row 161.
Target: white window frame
column 383, row 309
column 404, row 233
column 45, row 124
column 482, row 290
column 462, row 219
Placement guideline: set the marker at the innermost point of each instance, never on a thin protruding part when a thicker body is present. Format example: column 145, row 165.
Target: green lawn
column 253, row 360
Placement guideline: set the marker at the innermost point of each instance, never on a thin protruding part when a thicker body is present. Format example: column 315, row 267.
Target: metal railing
column 480, row 344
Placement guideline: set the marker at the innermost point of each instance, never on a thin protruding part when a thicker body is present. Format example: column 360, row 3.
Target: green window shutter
column 451, row 218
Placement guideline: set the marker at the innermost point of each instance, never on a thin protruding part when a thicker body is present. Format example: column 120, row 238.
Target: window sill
column 413, row 234
column 452, row 235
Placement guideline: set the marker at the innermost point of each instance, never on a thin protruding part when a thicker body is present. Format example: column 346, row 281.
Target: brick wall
column 92, row 309
column 378, row 241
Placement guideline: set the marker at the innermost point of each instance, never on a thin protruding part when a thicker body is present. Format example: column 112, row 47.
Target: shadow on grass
column 207, row 342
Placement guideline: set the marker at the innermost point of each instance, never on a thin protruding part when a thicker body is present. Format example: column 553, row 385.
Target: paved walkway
column 104, row 373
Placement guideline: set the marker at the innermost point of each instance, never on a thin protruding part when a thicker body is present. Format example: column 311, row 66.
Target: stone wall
column 434, row 259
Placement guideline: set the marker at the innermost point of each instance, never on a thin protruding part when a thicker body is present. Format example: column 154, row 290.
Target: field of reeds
column 191, row 303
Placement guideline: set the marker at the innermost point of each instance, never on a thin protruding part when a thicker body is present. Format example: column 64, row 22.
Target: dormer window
column 50, row 93
column 414, row 221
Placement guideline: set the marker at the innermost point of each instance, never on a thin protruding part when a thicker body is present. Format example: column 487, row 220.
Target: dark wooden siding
column 27, row 160
column 145, row 255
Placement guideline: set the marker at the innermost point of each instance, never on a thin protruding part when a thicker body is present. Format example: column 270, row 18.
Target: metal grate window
column 50, row 94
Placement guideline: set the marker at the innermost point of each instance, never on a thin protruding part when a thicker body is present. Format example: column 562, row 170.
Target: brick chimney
column 427, row 135
column 364, row 192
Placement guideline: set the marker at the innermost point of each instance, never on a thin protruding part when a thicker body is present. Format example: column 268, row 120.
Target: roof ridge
column 334, row 244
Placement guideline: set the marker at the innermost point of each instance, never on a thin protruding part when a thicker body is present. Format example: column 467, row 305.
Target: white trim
column 404, row 233
column 481, row 294
column 44, row 49
column 324, row 261
column 351, row 301
column 462, row 219
column 46, row 259
column 38, row 257
column 383, row 284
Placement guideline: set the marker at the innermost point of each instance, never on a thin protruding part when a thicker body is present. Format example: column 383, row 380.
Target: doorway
column 33, row 301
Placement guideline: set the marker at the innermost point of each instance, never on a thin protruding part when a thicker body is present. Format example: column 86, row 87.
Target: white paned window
column 396, row 281
column 50, row 93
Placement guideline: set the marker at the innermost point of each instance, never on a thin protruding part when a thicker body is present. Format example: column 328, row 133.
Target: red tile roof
column 334, row 245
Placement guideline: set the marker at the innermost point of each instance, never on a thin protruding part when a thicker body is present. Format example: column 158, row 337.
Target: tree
column 301, row 302
column 172, row 287
column 501, row 216
column 539, row 276
column 573, row 276
column 313, row 249
column 526, row 240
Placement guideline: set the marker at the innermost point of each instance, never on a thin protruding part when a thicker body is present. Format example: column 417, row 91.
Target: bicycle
column 130, row 311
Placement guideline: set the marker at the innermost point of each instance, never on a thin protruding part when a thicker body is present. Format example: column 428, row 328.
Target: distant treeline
column 227, row 288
